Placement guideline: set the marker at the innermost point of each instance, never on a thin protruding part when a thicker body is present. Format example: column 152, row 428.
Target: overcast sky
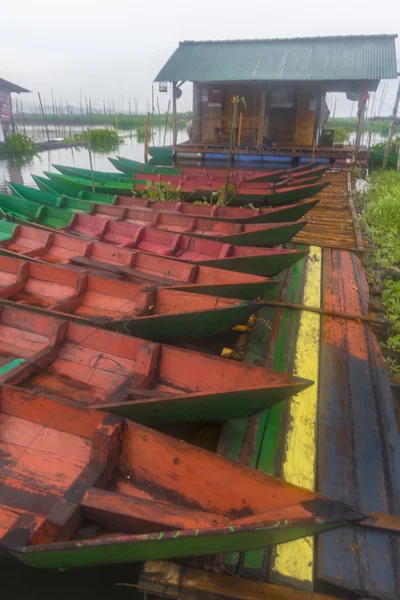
column 115, row 48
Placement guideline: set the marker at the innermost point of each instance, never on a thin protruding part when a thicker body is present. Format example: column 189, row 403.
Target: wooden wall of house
column 285, row 122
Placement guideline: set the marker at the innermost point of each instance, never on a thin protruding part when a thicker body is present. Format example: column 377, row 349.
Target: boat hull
column 164, row 546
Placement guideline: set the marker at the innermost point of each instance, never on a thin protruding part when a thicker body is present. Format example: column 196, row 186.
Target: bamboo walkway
column 333, row 222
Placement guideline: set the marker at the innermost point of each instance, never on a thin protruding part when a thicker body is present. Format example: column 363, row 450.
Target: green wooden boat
column 101, row 176
column 48, row 199
column 81, row 183
column 54, row 186
column 129, row 166
column 161, row 151
column 22, row 210
column 376, row 159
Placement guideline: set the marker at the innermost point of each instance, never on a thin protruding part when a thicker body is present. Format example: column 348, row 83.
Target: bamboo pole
column 166, row 122
column 146, row 139
column 44, row 118
column 240, row 128
column 90, row 160
column 235, row 101
column 392, row 124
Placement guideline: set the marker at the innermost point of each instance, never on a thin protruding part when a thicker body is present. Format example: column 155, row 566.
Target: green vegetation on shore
column 381, row 217
column 351, row 124
column 120, row 121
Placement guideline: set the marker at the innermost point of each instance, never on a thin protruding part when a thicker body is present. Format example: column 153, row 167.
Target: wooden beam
column 262, row 116
column 129, row 514
column 177, row 581
column 174, row 121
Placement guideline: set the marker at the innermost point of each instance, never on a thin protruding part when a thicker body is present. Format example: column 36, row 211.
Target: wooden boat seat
column 142, row 216
column 28, row 240
column 122, row 234
column 63, row 247
column 108, row 211
column 157, row 242
column 88, row 225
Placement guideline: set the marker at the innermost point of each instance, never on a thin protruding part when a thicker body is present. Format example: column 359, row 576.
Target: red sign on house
column 5, row 106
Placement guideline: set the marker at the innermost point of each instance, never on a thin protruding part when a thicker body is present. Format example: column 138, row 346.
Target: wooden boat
column 257, row 197
column 54, row 200
column 278, row 214
column 161, row 151
column 132, row 167
column 204, row 176
column 149, row 382
column 47, row 184
column 85, row 488
column 128, row 166
column 376, row 159
column 126, row 231
column 140, row 267
column 87, row 173
column 155, row 313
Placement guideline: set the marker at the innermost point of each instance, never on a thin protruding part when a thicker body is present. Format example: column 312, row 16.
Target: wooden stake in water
column 146, row 139
column 90, row 160
column 44, row 118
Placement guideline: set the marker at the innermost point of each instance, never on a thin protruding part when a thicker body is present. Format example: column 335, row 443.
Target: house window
column 282, row 99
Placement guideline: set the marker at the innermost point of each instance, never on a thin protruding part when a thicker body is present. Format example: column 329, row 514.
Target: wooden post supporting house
column 174, row 117
column 361, row 119
column 262, row 116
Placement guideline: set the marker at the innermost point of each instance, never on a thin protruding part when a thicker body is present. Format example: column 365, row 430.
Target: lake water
column 19, row 171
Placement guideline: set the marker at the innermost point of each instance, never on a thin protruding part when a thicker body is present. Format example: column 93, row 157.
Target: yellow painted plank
column 294, row 560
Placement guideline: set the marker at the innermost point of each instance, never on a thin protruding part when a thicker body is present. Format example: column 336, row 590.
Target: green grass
column 381, row 127
column 123, row 121
column 381, row 217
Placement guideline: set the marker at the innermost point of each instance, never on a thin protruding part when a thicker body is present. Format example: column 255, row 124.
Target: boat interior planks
column 359, row 443
column 149, row 311
column 82, row 488
column 149, row 382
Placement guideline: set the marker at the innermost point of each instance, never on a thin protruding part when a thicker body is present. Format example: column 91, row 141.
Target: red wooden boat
column 84, row 488
column 155, row 312
column 139, row 267
column 279, row 214
column 259, row 196
column 264, row 261
column 212, row 180
column 151, row 383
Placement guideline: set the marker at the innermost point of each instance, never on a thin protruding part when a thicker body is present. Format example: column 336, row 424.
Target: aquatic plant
column 160, row 190
column 18, row 144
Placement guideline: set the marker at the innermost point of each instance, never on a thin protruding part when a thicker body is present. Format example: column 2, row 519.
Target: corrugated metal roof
column 12, row 87
column 369, row 57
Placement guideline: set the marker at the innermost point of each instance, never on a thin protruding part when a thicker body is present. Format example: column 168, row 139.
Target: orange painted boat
column 82, row 488
column 149, row 382
column 152, row 312
column 62, row 248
